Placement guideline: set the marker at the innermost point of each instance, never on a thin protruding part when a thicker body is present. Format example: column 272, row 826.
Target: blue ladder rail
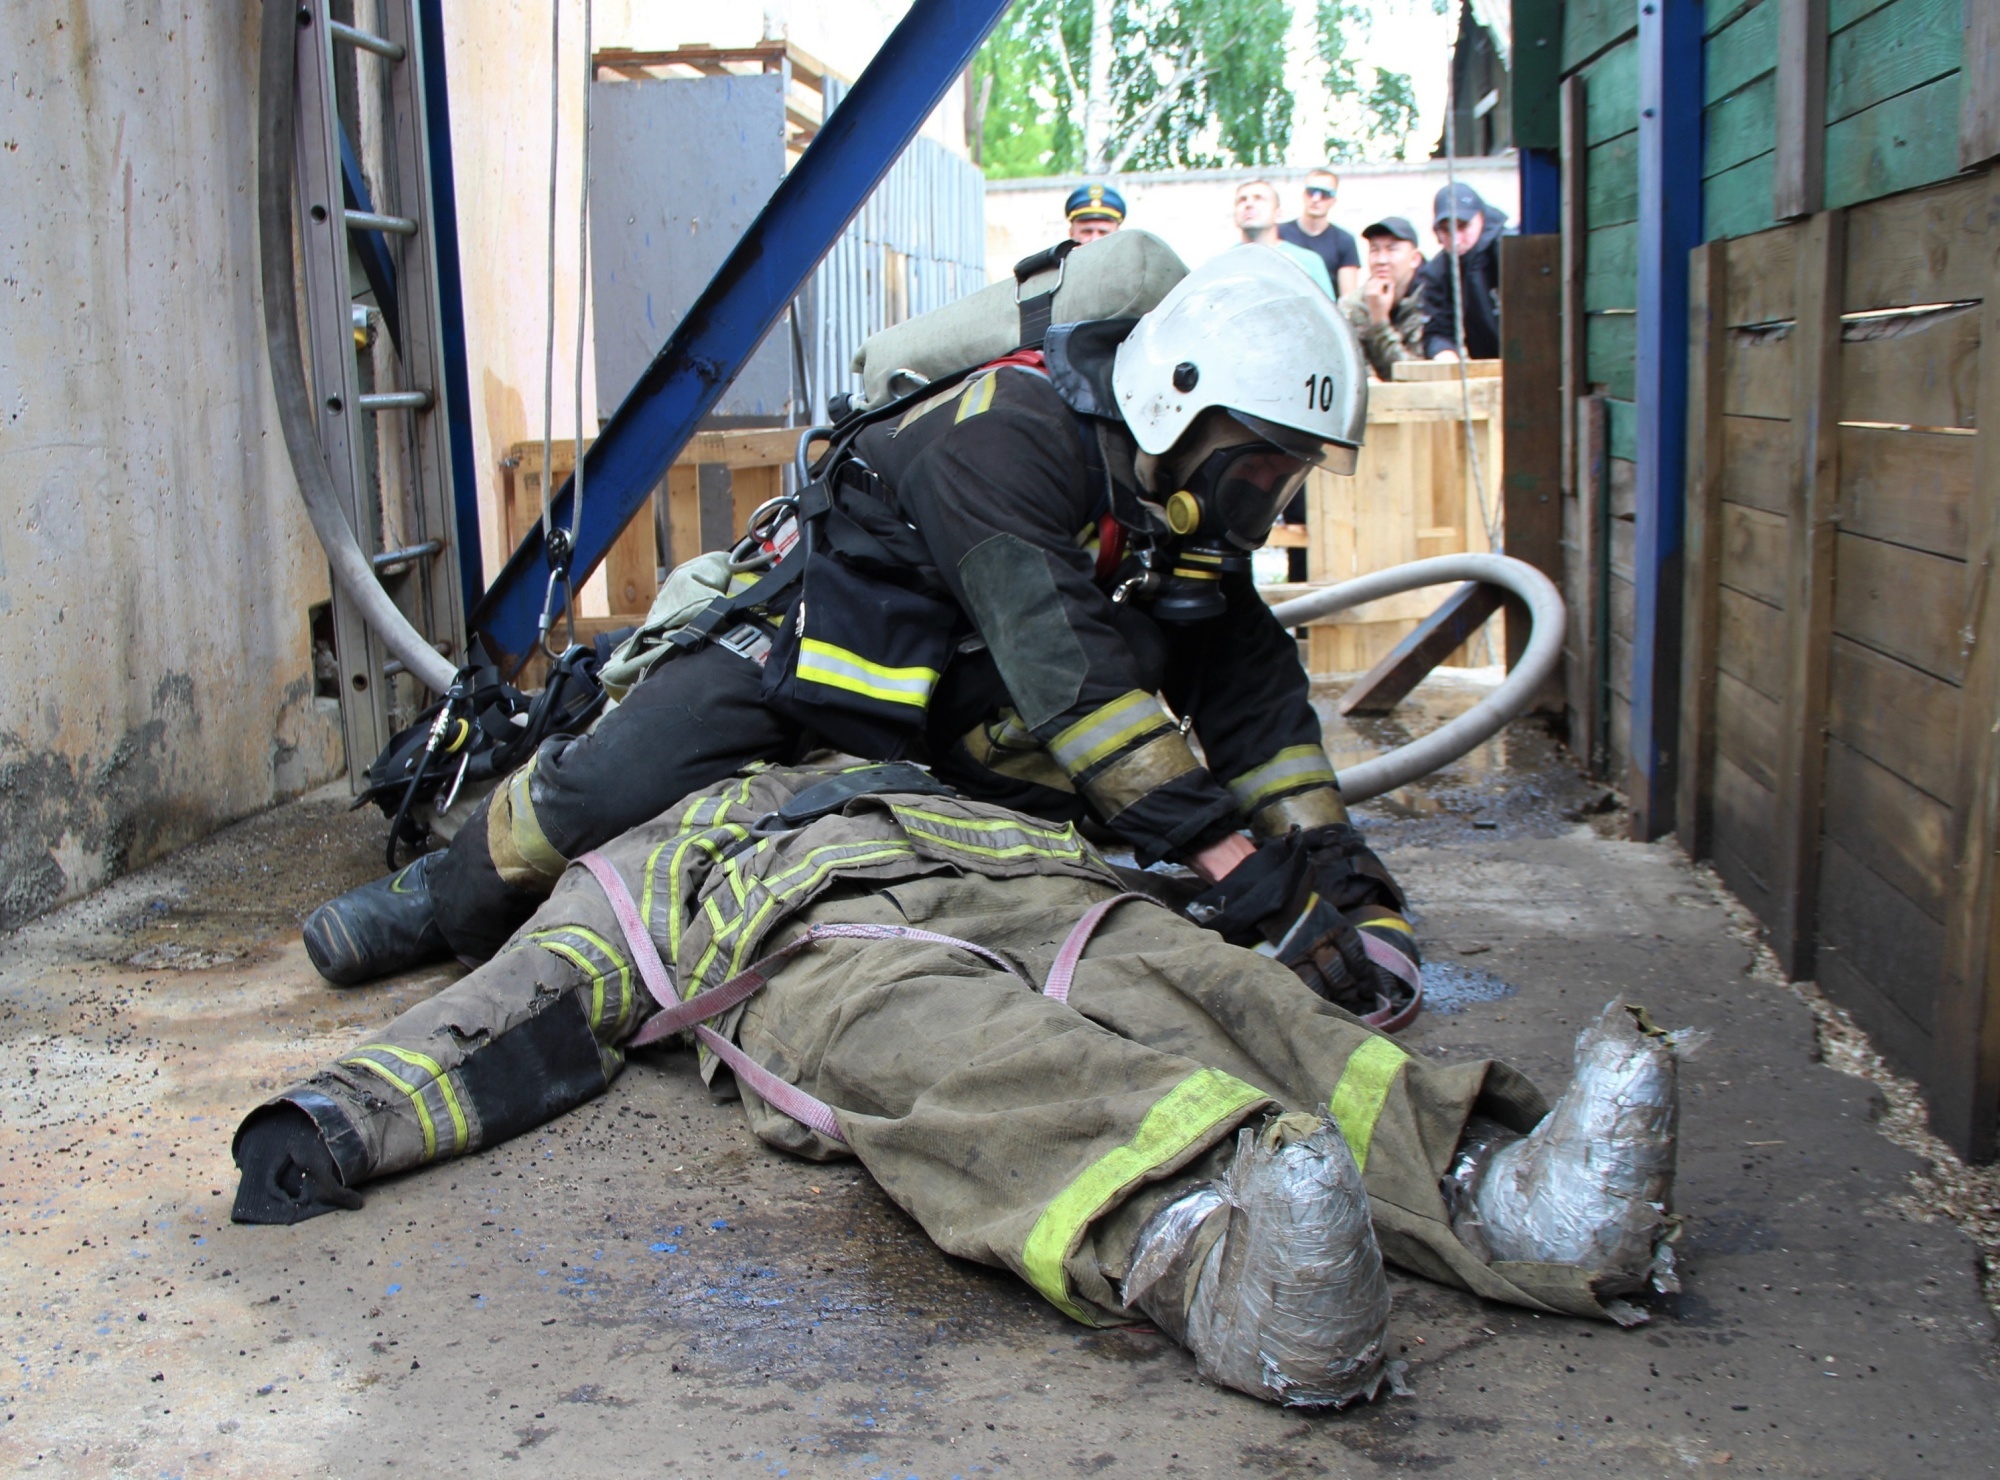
column 889, row 102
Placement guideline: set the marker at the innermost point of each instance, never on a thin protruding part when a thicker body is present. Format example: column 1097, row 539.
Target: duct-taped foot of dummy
column 288, row 1172
column 1272, row 1277
column 1592, row 1185
column 377, row 930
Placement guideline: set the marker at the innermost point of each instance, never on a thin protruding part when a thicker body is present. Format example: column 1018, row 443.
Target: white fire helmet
column 1252, row 333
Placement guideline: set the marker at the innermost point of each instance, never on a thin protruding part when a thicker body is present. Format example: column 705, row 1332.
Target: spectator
column 1388, row 313
column 1470, row 230
column 1315, row 231
column 1094, row 211
column 1256, row 211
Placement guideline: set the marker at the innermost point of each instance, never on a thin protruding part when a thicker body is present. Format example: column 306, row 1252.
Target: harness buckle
column 747, row 640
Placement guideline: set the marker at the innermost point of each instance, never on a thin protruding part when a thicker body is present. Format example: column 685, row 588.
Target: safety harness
column 678, row 1016
column 852, row 627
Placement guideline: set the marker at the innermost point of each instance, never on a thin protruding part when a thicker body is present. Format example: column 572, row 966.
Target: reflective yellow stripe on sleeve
column 823, row 663
column 1295, row 766
column 1107, row 730
column 1179, row 1118
column 427, row 1065
column 1358, row 1098
column 978, row 396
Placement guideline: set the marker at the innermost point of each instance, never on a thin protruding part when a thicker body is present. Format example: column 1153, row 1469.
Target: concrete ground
column 642, row 1287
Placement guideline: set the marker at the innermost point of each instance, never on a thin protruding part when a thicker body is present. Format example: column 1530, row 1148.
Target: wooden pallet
column 1412, row 496
column 753, row 461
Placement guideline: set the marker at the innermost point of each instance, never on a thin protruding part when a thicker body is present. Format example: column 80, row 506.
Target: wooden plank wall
column 1834, row 621
column 1838, row 517
column 1739, row 120
column 1531, row 399
column 1897, row 658
column 1832, row 102
column 745, row 467
column 1743, row 374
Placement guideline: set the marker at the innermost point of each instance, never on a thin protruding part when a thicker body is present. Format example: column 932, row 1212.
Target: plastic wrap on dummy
column 1272, row 1277
column 1592, row 1186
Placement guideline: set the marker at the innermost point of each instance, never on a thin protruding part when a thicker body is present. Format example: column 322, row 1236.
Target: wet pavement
column 642, row 1286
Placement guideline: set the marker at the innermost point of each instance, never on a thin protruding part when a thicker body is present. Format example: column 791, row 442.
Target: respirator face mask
column 1224, row 509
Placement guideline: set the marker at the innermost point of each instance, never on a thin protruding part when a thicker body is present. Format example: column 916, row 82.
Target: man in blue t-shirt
column 1315, row 231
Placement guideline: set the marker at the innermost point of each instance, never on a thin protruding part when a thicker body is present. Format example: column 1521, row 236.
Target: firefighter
column 1051, row 1075
column 1038, row 579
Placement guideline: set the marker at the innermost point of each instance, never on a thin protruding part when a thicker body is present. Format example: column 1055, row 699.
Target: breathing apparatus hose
column 1450, row 741
column 352, row 570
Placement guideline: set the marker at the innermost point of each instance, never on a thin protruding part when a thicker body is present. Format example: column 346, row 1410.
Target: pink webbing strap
column 1391, row 960
column 645, row 955
column 786, row 1098
column 910, row 932
column 1063, row 971
column 775, row 1092
column 679, row 1016
column 1390, row 1018
column 676, row 1016
column 699, row 1008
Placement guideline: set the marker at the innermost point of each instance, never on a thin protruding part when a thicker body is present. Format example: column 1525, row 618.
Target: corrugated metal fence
column 918, row 244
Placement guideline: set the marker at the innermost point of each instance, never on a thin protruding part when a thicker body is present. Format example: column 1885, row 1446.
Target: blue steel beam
column 451, row 300
column 1670, row 153
column 804, row 217
column 1541, row 192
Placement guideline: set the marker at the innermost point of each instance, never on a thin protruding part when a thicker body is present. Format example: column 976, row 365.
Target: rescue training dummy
column 1048, row 1073
column 1002, row 574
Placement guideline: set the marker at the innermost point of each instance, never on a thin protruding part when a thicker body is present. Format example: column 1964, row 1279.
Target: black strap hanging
column 1038, row 312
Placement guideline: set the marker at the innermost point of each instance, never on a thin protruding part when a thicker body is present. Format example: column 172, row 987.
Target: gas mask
column 1223, row 508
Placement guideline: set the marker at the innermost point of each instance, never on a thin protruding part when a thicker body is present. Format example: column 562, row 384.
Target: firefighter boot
column 1272, row 1276
column 377, row 930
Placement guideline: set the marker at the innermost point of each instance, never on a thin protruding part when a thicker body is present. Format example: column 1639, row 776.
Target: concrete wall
column 1191, row 209
column 155, row 567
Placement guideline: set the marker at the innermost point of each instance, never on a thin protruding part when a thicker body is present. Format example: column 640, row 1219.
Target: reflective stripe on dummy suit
column 1019, row 1130
column 693, row 722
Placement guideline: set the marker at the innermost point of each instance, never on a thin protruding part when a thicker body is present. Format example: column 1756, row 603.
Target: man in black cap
column 1469, row 230
column 1094, row 211
column 1388, row 315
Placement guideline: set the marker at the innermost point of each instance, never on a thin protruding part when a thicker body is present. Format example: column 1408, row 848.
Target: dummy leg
column 1156, row 979
column 524, row 1038
column 1020, row 1135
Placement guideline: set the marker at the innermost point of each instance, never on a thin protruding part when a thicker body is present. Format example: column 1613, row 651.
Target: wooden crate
column 754, row 457
column 1412, row 495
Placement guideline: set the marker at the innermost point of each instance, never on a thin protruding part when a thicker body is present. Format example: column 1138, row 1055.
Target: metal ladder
column 376, row 344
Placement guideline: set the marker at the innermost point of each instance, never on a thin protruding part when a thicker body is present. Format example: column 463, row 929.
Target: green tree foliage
column 1372, row 114
column 1195, row 84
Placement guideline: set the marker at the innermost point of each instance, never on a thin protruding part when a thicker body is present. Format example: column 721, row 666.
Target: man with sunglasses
column 1037, row 580
column 1314, row 230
